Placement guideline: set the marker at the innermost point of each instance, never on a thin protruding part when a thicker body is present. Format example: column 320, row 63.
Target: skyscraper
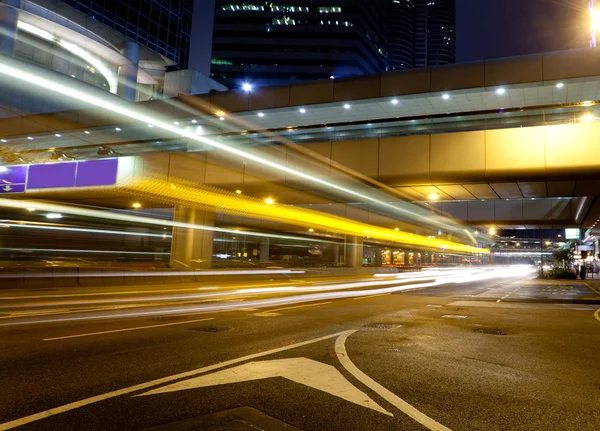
column 268, row 43
column 163, row 26
column 421, row 33
column 401, row 34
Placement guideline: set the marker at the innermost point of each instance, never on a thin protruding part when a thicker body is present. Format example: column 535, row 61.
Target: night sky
column 503, row 28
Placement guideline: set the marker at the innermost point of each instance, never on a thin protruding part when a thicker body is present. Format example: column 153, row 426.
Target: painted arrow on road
column 305, row 371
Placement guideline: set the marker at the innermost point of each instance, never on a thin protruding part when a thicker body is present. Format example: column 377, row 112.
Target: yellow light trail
column 182, row 193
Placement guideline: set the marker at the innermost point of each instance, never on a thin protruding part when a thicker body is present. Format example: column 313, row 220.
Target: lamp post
column 595, row 22
column 541, row 253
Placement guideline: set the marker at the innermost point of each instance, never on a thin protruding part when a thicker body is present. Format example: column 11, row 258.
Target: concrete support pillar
column 353, row 251
column 417, row 259
column 264, row 249
column 378, row 256
column 9, row 16
column 335, row 252
column 406, row 257
column 128, row 72
column 192, row 248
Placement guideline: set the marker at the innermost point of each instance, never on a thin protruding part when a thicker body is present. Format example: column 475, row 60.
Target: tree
column 564, row 257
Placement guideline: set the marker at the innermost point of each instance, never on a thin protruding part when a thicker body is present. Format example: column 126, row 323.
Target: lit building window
column 330, row 9
column 286, row 20
column 277, row 8
column 244, row 7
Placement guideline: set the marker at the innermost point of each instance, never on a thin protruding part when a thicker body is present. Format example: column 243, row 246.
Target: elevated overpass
column 509, row 142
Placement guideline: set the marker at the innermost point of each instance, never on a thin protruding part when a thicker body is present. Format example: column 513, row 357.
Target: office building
column 421, row 33
column 163, row 26
column 267, row 43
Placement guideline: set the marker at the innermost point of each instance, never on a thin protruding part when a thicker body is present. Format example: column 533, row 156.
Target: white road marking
column 434, row 306
column 89, row 334
column 372, row 296
column 403, row 406
column 271, row 313
column 300, row 370
column 597, row 314
column 78, row 404
column 453, row 316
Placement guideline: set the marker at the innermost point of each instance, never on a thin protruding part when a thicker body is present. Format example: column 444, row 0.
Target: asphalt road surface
column 487, row 353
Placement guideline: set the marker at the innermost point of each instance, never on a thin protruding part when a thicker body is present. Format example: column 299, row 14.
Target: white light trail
column 93, row 213
column 9, row 67
column 323, row 292
column 61, row 250
column 14, row 224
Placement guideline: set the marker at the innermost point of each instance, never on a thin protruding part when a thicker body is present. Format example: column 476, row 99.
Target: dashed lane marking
column 78, row 404
column 453, row 316
column 126, row 329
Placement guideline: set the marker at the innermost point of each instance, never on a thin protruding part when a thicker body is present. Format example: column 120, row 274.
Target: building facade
column 266, row 43
column 422, row 33
column 125, row 48
column 163, row 26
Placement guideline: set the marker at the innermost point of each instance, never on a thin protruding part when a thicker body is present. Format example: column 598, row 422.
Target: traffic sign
column 12, row 179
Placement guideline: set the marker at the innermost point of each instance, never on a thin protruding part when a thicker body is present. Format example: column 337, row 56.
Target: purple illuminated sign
column 51, row 175
column 89, row 173
column 97, row 173
column 12, row 179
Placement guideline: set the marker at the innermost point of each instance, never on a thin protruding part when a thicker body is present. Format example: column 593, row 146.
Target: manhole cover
column 208, row 329
column 166, row 319
column 381, row 326
column 491, row 331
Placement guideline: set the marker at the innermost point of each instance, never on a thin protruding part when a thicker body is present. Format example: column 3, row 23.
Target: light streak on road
column 300, row 295
column 224, row 294
column 199, row 273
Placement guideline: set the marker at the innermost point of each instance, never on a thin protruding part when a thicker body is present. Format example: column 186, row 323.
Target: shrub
column 566, row 274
